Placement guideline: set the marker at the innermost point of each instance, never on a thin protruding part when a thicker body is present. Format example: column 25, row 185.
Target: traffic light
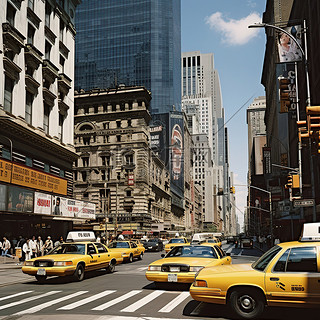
column 284, row 95
column 313, row 118
column 303, row 129
column 232, row 190
column 293, row 181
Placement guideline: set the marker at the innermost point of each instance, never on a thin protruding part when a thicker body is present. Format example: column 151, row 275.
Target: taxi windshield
column 265, row 259
column 69, row 248
column 175, row 240
column 119, row 245
column 192, row 252
column 211, row 241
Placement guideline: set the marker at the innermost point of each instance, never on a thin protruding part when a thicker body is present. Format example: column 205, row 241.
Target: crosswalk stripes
column 86, row 300
column 140, row 303
column 117, row 300
column 175, row 302
column 49, row 303
column 12, row 304
column 15, row 295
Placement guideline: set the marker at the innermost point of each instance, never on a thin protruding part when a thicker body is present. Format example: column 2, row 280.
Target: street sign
column 303, row 203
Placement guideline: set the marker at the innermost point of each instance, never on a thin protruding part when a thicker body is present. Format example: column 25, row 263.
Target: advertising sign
column 88, row 210
column 20, row 200
column 267, row 160
column 60, row 207
column 42, row 203
column 288, row 49
column 27, row 177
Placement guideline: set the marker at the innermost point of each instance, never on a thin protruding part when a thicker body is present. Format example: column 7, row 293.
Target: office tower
column 131, row 43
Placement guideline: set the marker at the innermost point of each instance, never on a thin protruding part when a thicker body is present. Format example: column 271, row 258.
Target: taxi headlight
column 28, row 263
column 200, row 283
column 154, row 268
column 62, row 263
column 195, row 269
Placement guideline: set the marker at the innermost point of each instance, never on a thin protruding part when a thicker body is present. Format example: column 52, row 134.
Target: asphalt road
column 123, row 295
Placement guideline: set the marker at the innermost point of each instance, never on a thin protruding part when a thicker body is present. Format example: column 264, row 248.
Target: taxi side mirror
column 163, row 255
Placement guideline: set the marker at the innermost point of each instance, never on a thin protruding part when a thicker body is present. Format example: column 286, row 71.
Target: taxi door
column 224, row 258
column 135, row 249
column 94, row 257
column 103, row 255
column 294, row 278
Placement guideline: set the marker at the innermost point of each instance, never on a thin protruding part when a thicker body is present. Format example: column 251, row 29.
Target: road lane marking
column 143, row 268
column 15, row 295
column 12, row 304
column 117, row 300
column 140, row 303
column 86, row 300
column 49, row 303
column 175, row 302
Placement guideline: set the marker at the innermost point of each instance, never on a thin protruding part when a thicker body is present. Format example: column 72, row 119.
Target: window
column 129, row 123
column 48, row 13
column 129, row 159
column 46, row 114
column 31, row 4
column 84, row 175
column 118, row 124
column 28, row 111
column 85, row 161
column 60, row 129
column 101, row 248
column 11, row 12
column 91, row 249
column 31, row 32
column 62, row 61
column 61, row 30
column 103, row 174
column 282, row 262
column 302, row 260
column 47, row 50
column 8, row 89
column 118, row 138
column 86, row 140
column 129, row 193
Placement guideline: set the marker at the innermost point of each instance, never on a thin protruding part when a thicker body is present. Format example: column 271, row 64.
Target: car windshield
column 152, row 240
column 194, row 251
column 69, row 248
column 211, row 241
column 175, row 240
column 119, row 245
column 265, row 259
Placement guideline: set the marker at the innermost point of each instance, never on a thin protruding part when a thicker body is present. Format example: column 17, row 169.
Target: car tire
column 140, row 256
column 111, row 267
column 131, row 258
column 41, row 279
column 247, row 303
column 79, row 273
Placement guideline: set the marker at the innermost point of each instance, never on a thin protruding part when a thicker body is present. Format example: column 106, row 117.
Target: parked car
column 154, row 245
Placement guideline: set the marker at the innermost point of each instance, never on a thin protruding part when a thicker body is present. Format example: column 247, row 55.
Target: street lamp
column 305, row 60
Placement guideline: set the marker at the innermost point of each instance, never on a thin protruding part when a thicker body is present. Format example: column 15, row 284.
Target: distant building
column 36, row 117
column 131, row 43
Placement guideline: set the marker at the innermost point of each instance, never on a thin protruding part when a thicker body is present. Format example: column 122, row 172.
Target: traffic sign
column 303, row 203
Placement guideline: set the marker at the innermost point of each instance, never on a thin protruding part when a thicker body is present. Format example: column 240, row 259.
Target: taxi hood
column 59, row 257
column 189, row 261
column 225, row 269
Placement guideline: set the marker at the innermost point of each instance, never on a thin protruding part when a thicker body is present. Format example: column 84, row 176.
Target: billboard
column 88, row 210
column 287, row 48
column 3, row 197
column 42, row 203
column 20, row 200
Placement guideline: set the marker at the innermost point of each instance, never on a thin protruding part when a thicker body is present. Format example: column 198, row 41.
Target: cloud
column 251, row 3
column 234, row 32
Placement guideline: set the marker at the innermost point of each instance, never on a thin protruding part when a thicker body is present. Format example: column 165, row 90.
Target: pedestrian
column 59, row 242
column 260, row 239
column 0, row 248
column 276, row 241
column 33, row 246
column 48, row 245
column 20, row 244
column 39, row 245
column 6, row 246
column 27, row 250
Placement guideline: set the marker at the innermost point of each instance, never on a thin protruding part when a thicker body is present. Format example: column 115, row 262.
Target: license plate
column 174, row 269
column 41, row 272
column 172, row 277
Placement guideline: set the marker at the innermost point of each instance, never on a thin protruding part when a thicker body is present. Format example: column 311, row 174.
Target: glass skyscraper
column 131, row 42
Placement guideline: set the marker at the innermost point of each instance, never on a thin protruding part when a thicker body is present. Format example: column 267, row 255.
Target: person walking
column 48, row 245
column 20, row 244
column 39, row 245
column 33, row 246
column 6, row 246
column 27, row 250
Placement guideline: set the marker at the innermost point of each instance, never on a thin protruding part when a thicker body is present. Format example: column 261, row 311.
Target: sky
column 220, row 27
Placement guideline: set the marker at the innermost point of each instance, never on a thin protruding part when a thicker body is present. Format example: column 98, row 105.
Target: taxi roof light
column 77, row 236
column 310, row 232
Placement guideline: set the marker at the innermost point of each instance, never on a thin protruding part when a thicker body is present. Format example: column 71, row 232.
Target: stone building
column 116, row 167
column 36, row 113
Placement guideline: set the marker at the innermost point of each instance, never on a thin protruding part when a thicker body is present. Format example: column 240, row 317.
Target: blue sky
column 220, row 27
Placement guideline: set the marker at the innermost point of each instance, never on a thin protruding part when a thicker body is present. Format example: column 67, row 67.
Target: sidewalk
column 10, row 272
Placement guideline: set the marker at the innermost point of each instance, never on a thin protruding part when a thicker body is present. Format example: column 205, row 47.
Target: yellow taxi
column 73, row 258
column 214, row 241
column 183, row 262
column 175, row 242
column 138, row 243
column 288, row 275
column 129, row 250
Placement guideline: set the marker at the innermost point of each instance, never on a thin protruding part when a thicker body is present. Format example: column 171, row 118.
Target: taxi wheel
column 79, row 273
column 131, row 258
column 41, row 279
column 246, row 303
column 140, row 256
column 111, row 268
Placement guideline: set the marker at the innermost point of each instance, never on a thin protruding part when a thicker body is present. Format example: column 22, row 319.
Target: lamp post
column 305, row 61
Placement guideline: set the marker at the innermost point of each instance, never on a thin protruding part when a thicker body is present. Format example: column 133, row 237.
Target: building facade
column 131, row 43
column 36, row 115
column 117, row 169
